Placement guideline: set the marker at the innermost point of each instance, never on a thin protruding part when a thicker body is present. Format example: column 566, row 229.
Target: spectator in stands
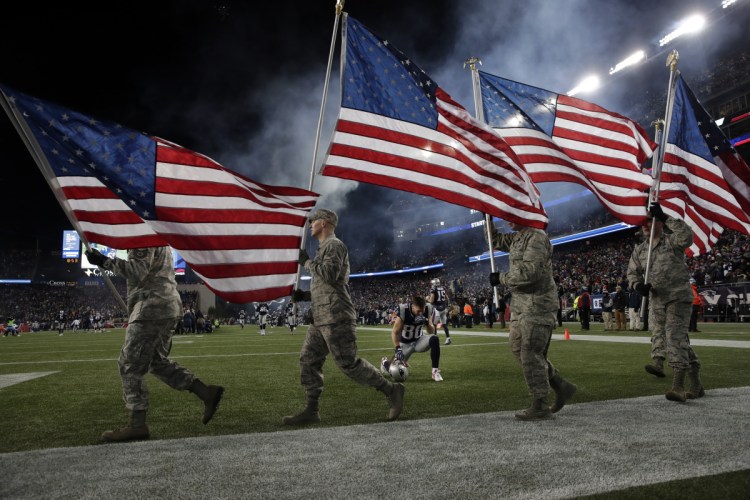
column 696, row 306
column 620, row 300
column 584, row 308
column 634, row 310
column 607, row 307
column 468, row 314
column 153, row 308
column 669, row 299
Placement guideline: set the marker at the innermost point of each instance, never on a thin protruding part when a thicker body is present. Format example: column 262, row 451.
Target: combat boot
column 564, row 390
column 136, row 429
column 656, row 369
column 396, row 400
column 210, row 395
column 309, row 415
column 677, row 393
column 539, row 410
column 696, row 388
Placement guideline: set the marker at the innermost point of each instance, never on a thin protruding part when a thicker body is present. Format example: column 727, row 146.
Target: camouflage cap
column 327, row 215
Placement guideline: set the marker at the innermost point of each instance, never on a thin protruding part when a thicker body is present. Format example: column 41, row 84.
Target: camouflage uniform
column 334, row 319
column 670, row 298
column 154, row 307
column 534, row 305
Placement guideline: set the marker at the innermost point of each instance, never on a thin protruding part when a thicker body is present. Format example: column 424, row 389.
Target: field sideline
column 73, row 405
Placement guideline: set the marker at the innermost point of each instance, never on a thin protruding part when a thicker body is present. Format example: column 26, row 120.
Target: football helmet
column 399, row 371
column 435, row 282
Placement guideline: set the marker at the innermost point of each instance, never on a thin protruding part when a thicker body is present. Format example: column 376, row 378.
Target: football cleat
column 399, row 371
column 436, row 376
column 448, row 341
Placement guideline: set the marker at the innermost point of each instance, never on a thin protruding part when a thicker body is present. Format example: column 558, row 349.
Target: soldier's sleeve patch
column 140, row 253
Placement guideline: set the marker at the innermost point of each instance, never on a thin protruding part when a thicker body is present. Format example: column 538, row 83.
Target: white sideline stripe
column 16, row 378
column 742, row 344
column 239, row 355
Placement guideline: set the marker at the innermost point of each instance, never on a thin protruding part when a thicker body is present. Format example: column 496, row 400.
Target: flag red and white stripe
column 398, row 129
column 559, row 138
column 703, row 179
column 125, row 189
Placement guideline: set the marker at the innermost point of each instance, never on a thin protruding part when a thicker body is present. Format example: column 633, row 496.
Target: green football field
column 76, row 394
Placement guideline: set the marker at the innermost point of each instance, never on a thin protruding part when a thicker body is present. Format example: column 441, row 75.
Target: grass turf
column 74, row 405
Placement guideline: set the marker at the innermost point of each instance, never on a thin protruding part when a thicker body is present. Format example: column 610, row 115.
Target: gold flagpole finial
column 471, row 62
column 339, row 7
column 672, row 59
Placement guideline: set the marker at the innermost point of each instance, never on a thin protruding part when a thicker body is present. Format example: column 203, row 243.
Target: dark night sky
column 242, row 81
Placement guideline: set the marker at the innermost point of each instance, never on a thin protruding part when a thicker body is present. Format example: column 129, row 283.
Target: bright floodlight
column 688, row 25
column 727, row 3
column 587, row 84
column 628, row 61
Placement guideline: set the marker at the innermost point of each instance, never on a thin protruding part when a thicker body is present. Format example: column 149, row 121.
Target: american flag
column 397, row 128
column 126, row 189
column 702, row 172
column 565, row 139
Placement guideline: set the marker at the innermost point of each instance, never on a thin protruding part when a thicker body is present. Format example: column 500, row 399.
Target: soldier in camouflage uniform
column 333, row 328
column 670, row 300
column 533, row 315
column 154, row 308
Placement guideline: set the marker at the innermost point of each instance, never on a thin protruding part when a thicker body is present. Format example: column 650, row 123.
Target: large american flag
column 397, row 128
column 702, row 173
column 565, row 139
column 128, row 190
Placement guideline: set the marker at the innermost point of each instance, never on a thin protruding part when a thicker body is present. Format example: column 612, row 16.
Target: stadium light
column 688, row 25
column 587, row 84
column 632, row 59
column 727, row 3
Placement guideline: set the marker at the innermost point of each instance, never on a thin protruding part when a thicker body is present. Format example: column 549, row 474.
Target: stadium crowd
column 596, row 262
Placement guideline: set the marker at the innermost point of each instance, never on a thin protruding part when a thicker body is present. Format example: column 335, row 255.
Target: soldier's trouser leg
column 675, row 317
column 166, row 370
column 341, row 340
column 144, row 342
column 656, row 320
column 528, row 344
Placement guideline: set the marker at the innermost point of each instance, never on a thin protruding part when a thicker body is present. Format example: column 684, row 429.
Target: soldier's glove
column 300, row 296
column 657, row 212
column 494, row 279
column 399, row 355
column 643, row 288
column 303, row 257
column 96, row 257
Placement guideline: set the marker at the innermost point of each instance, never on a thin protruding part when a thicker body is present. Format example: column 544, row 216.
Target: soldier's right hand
column 96, row 257
column 494, row 279
column 643, row 288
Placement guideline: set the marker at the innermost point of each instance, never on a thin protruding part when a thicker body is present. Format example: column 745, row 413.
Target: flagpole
column 41, row 161
column 652, row 196
column 672, row 60
column 331, row 50
column 471, row 62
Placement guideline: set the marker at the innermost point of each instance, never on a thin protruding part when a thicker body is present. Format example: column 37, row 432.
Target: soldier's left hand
column 494, row 279
column 303, row 257
column 95, row 257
